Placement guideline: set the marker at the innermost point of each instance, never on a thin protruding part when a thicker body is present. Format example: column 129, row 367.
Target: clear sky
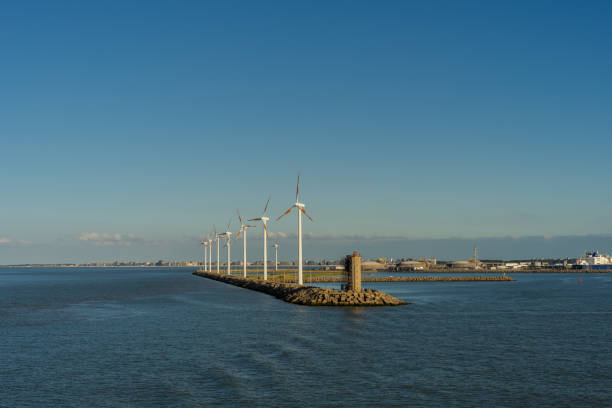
column 129, row 128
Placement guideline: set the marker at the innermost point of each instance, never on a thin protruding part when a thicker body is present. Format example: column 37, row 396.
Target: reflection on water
column 354, row 314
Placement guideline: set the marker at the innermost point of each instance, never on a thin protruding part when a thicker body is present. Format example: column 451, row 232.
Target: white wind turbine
column 276, row 260
column 204, row 245
column 264, row 219
column 242, row 230
column 228, row 243
column 276, row 256
column 216, row 240
column 211, row 242
column 301, row 210
column 209, row 245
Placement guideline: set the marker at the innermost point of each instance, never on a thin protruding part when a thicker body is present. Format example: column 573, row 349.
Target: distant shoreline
column 95, row 266
column 317, row 269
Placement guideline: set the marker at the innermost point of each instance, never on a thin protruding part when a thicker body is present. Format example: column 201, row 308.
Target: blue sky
column 412, row 121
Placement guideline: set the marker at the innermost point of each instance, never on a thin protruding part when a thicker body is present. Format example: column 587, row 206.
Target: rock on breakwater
column 309, row 295
column 475, row 278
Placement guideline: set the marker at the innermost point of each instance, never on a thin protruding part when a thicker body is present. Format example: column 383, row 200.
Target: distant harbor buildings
column 591, row 260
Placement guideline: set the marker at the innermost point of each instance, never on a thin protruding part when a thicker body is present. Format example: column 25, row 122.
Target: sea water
column 153, row 337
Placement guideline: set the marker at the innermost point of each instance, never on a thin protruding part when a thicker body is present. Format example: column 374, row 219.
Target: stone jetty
column 474, row 278
column 309, row 295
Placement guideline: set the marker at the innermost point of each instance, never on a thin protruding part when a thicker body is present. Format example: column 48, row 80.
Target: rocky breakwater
column 309, row 295
column 476, row 278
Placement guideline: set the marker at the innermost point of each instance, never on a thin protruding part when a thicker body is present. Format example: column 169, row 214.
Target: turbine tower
column 211, row 242
column 228, row 234
column 203, row 243
column 301, row 210
column 217, row 235
column 215, row 241
column 276, row 257
column 228, row 243
column 264, row 219
column 243, row 230
column 206, row 243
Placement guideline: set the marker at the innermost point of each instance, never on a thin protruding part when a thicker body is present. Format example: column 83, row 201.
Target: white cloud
column 311, row 235
column 281, row 235
column 101, row 239
column 12, row 242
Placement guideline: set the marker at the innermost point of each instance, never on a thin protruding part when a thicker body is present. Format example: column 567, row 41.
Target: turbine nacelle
column 225, row 234
column 242, row 229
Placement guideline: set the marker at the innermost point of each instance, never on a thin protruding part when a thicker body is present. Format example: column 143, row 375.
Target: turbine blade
column 239, row 217
column 228, row 224
column 266, row 207
column 297, row 189
column 304, row 211
column 285, row 213
column 255, row 219
column 238, row 236
column 250, row 226
column 268, row 233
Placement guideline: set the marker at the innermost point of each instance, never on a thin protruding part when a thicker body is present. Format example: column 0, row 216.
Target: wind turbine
column 217, row 242
column 264, row 219
column 207, row 254
column 301, row 210
column 228, row 243
column 276, row 256
column 211, row 242
column 242, row 230
column 203, row 243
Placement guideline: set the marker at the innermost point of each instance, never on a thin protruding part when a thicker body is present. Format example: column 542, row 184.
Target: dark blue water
column 162, row 337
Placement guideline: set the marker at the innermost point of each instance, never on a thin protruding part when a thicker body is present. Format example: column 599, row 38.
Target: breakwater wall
column 308, row 295
column 497, row 271
column 474, row 278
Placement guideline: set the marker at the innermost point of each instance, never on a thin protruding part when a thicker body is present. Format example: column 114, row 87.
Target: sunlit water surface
column 162, row 337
